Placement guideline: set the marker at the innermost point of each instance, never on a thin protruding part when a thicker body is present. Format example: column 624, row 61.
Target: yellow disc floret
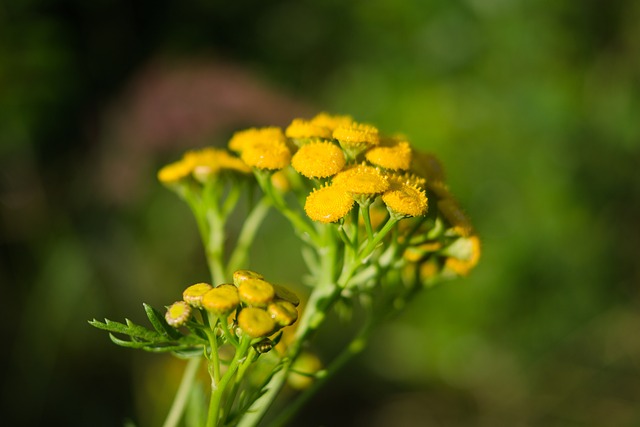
column 361, row 179
column 394, row 156
column 270, row 155
column 285, row 294
column 256, row 292
column 240, row 276
column 222, row 299
column 318, row 160
column 174, row 172
column 356, row 137
column 255, row 322
column 300, row 128
column 283, row 313
column 242, row 138
column 331, row 122
column 178, row 314
column 405, row 199
column 453, row 214
column 463, row 265
column 194, row 293
column 328, row 204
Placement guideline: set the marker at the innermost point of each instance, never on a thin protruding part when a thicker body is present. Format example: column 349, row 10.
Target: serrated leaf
column 160, row 324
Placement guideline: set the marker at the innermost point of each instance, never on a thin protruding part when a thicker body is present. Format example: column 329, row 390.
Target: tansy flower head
column 301, row 129
column 331, row 122
column 221, row 300
column 270, row 155
column 285, row 294
column 453, row 214
column 427, row 166
column 255, row 322
column 328, row 204
column 283, row 313
column 240, row 276
column 393, row 155
column 405, row 199
column 178, row 314
column 466, row 257
column 256, row 292
column 210, row 161
column 361, row 179
column 301, row 374
column 194, row 293
column 318, row 159
column 174, row 172
column 356, row 138
column 242, row 138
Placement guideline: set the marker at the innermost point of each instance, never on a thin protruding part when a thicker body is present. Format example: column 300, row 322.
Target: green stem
column 217, row 392
column 324, row 295
column 302, row 227
column 186, row 384
column 354, row 348
column 248, row 232
column 367, row 220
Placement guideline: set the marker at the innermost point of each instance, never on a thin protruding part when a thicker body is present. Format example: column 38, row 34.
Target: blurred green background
column 529, row 104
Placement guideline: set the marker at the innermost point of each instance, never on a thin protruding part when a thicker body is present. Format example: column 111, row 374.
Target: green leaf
column 160, row 324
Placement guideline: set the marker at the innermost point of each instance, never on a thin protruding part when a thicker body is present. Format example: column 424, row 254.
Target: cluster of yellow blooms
column 262, row 307
column 347, row 162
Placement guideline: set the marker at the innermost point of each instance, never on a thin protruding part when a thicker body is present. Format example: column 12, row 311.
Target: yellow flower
column 331, row 122
column 463, row 265
column 453, row 214
column 242, row 138
column 405, row 199
column 395, row 155
column 328, row 204
column 256, row 292
column 301, row 374
column 194, row 293
column 283, row 313
column 178, row 314
column 280, row 181
column 427, row 166
column 240, row 276
column 356, row 137
column 175, row 172
column 271, row 155
column 318, row 160
column 210, row 161
column 300, row 128
column 221, row 300
column 255, row 322
column 361, row 179
column 285, row 294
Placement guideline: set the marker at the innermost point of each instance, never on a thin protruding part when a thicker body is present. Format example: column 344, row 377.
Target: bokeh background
column 532, row 105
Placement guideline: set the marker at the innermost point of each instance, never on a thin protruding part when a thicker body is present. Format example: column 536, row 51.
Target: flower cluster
column 348, row 164
column 378, row 222
column 258, row 308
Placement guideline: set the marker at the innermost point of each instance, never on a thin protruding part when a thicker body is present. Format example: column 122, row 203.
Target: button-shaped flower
column 221, row 300
column 194, row 293
column 328, row 204
column 255, row 322
column 256, row 292
column 318, row 160
column 178, row 314
column 394, row 155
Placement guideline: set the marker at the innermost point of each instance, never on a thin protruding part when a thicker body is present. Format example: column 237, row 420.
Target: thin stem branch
column 180, row 401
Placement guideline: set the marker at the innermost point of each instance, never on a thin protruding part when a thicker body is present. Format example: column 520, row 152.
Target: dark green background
column 532, row 106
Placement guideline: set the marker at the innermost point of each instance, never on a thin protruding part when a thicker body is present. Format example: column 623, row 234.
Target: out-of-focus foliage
column 531, row 105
